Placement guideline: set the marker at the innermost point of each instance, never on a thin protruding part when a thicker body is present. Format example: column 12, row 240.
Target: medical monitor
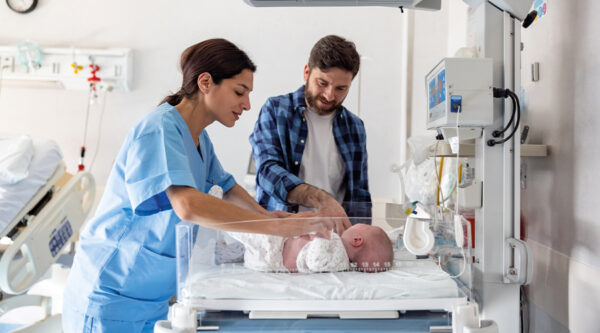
column 459, row 93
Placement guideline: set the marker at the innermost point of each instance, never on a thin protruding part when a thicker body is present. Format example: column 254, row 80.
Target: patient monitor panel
column 459, row 92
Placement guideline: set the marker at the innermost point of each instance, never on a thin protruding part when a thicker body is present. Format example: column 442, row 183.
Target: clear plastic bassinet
column 212, row 275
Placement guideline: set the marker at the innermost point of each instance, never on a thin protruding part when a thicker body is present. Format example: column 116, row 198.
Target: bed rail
column 38, row 246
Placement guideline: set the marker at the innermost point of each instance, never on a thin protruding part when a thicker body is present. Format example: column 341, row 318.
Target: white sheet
column 13, row 197
column 408, row 279
column 15, row 157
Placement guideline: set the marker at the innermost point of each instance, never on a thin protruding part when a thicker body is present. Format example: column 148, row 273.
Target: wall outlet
column 7, row 64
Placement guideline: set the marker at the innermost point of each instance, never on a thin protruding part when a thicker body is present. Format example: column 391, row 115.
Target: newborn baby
column 363, row 247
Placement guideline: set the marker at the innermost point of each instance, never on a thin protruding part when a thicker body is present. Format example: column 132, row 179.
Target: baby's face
column 375, row 253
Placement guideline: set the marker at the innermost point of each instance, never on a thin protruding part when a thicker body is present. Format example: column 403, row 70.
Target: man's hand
column 326, row 205
column 336, row 215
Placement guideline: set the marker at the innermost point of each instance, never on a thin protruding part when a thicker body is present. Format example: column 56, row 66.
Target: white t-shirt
column 322, row 164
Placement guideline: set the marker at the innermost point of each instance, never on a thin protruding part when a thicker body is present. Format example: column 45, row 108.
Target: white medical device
column 459, row 92
column 407, row 4
column 418, row 237
column 461, row 105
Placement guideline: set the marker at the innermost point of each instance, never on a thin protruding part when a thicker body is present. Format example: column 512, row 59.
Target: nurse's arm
column 239, row 197
column 194, row 206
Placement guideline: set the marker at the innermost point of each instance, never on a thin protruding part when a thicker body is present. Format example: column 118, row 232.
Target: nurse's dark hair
column 218, row 57
column 334, row 51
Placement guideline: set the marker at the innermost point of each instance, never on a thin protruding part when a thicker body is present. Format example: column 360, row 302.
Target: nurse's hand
column 304, row 223
column 279, row 214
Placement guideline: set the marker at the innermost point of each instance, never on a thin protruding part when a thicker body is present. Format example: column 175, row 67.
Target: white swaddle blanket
column 265, row 253
column 323, row 255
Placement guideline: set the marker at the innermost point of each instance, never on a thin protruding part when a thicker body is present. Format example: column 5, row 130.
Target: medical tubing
column 457, row 186
column 515, row 100
column 87, row 115
column 99, row 135
column 438, row 176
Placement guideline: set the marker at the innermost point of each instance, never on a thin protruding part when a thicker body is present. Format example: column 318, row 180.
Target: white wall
column 560, row 201
column 278, row 40
column 436, row 35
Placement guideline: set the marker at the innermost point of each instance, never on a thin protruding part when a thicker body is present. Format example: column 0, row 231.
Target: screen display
column 437, row 90
column 60, row 237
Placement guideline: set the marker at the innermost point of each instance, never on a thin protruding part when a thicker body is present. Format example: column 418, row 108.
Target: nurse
column 124, row 269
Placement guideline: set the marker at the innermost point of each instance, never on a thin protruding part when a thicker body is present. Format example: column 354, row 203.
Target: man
column 308, row 149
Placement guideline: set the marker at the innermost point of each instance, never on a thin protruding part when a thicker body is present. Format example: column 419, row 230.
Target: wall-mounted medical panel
column 459, row 93
column 27, row 65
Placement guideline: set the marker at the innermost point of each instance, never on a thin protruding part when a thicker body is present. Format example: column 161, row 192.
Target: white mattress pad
column 408, row 280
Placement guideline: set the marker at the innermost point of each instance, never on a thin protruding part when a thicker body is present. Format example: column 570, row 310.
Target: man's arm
column 239, row 197
column 364, row 195
column 309, row 196
column 271, row 172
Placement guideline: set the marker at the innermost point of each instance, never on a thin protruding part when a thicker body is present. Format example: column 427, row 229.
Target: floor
column 52, row 286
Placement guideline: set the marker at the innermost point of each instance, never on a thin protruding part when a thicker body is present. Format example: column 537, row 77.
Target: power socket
column 7, row 63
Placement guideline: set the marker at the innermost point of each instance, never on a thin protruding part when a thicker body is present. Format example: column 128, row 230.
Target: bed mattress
column 13, row 197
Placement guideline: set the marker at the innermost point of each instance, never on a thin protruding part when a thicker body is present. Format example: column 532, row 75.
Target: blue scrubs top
column 124, row 267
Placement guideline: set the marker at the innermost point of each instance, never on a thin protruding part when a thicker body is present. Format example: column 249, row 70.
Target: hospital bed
column 39, row 215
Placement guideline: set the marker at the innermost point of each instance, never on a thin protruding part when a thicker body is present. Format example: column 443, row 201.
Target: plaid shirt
column 278, row 144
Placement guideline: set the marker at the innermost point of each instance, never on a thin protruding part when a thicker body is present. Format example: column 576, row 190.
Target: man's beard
column 312, row 99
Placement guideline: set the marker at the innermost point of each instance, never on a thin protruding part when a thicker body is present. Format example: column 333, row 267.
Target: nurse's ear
column 205, row 82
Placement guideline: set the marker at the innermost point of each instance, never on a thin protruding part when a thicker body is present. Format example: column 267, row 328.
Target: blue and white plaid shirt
column 278, row 144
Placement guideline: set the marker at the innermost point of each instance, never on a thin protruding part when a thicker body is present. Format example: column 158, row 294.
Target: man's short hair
column 334, row 51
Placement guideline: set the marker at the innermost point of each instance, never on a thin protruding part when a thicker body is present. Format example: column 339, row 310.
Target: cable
column 512, row 117
column 507, row 93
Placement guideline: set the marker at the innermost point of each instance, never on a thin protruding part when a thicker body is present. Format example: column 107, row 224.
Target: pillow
column 15, row 156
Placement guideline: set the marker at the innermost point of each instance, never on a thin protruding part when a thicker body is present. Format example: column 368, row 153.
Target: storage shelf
column 468, row 150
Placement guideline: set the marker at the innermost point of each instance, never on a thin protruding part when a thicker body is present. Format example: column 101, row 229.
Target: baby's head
column 369, row 247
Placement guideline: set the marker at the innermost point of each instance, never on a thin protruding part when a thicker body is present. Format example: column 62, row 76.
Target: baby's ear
column 357, row 241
